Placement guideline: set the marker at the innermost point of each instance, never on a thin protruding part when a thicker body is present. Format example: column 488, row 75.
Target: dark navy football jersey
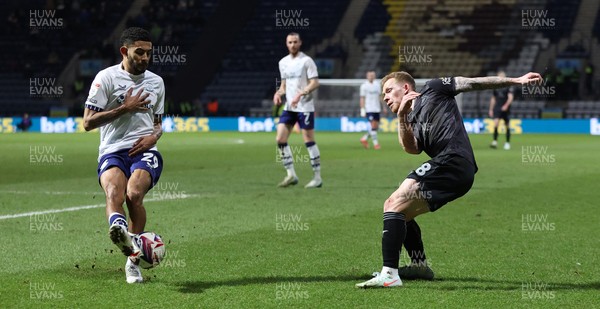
column 501, row 96
column 437, row 123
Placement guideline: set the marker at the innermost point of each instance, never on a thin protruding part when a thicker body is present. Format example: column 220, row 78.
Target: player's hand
column 363, row 112
column 296, row 100
column 407, row 101
column 529, row 78
column 504, row 108
column 276, row 99
column 142, row 144
column 136, row 103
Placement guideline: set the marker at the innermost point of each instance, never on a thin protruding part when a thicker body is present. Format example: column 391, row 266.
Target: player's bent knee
column 135, row 197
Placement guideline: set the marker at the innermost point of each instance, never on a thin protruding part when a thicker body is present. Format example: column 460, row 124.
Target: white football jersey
column 296, row 72
column 108, row 92
column 372, row 94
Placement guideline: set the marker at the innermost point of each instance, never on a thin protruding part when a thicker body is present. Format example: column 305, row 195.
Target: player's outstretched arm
column 464, row 84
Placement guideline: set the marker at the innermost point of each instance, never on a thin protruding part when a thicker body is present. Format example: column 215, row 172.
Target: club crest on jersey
column 150, row 88
column 121, row 99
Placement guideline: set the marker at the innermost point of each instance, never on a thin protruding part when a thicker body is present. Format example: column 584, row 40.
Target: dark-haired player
column 500, row 109
column 126, row 102
column 428, row 121
column 299, row 78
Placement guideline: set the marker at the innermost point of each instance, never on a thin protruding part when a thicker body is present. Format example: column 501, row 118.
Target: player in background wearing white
column 127, row 102
column 299, row 78
column 500, row 109
column 370, row 107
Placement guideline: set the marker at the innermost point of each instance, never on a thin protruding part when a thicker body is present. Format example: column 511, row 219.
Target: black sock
column 394, row 231
column 496, row 133
column 414, row 243
column 507, row 134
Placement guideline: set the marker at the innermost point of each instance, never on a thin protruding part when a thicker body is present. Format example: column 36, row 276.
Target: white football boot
column 288, row 181
column 381, row 280
column 314, row 183
column 133, row 273
column 506, row 146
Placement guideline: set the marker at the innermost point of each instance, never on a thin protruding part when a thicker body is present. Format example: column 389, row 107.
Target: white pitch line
column 77, row 208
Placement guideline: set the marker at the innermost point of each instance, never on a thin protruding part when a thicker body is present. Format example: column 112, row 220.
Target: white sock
column 365, row 137
column 315, row 158
column 374, row 137
column 285, row 153
column 392, row 271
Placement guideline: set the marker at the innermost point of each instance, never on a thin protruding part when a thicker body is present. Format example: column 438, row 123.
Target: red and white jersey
column 108, row 92
column 296, row 71
column 372, row 94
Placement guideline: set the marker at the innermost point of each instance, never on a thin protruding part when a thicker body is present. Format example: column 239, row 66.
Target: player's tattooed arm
column 464, row 84
column 157, row 130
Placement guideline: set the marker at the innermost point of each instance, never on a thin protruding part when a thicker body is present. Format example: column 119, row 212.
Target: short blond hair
column 400, row 77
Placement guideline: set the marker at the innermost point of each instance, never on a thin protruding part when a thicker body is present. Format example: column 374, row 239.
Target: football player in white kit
column 127, row 102
column 299, row 78
column 370, row 107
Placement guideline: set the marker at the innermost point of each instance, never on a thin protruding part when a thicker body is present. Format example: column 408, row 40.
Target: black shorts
column 442, row 180
column 499, row 114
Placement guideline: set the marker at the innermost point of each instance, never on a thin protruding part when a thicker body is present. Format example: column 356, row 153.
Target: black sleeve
column 444, row 86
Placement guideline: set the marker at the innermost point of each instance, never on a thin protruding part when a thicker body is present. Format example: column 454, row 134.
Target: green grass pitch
column 525, row 236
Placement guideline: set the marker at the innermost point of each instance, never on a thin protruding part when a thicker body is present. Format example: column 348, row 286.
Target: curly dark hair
column 133, row 34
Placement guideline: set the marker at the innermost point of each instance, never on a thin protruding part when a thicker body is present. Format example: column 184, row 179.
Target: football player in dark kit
column 427, row 121
column 500, row 109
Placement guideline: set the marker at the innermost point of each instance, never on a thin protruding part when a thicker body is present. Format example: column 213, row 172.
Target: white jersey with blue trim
column 296, row 71
column 372, row 94
column 108, row 92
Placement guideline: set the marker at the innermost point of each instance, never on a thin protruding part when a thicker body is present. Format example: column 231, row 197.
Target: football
column 151, row 249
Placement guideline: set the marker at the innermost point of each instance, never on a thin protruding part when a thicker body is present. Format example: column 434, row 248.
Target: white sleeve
column 311, row 69
column 363, row 90
column 99, row 92
column 281, row 70
column 159, row 108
